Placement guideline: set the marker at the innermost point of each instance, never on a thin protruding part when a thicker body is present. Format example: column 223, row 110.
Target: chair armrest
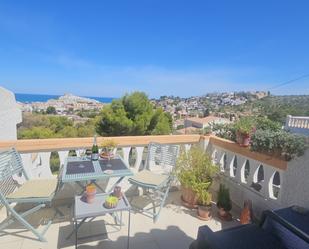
column 272, row 215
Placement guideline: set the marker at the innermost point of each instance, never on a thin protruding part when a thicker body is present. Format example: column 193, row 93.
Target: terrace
column 269, row 182
column 281, row 184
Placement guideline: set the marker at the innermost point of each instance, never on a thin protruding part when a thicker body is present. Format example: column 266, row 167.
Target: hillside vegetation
column 275, row 108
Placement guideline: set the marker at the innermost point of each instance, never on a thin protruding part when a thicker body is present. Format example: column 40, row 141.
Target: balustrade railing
column 36, row 153
column 297, row 124
column 249, row 175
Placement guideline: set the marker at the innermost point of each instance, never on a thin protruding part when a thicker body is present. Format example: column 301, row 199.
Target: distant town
column 190, row 115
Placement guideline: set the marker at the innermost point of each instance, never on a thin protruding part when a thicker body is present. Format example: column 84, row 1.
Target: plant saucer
column 108, row 171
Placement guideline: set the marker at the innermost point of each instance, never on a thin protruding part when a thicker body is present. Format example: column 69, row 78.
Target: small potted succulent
column 90, row 193
column 111, row 202
column 224, row 203
column 245, row 126
column 204, row 207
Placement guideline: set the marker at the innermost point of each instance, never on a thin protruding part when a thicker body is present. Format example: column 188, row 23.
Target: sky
column 180, row 48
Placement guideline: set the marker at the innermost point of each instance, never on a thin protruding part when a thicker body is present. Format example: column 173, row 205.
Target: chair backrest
column 290, row 235
column 161, row 158
column 11, row 166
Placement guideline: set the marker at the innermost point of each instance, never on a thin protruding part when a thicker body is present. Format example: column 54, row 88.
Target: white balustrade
column 232, row 167
column 245, row 177
column 297, row 124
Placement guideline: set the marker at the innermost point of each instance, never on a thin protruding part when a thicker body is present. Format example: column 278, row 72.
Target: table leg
column 129, row 221
column 81, row 186
column 76, row 229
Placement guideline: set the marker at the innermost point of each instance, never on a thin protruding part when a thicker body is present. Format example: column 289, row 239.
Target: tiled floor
column 176, row 228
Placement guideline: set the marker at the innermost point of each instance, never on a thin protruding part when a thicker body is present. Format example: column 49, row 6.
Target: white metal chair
column 37, row 191
column 156, row 176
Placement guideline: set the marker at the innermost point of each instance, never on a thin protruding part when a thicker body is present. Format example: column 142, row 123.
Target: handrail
column 59, row 144
column 244, row 151
column 62, row 144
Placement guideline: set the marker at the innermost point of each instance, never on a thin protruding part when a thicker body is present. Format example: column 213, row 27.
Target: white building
column 10, row 114
column 201, row 123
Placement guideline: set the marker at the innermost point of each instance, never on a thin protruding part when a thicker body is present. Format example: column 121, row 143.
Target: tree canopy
column 44, row 126
column 133, row 114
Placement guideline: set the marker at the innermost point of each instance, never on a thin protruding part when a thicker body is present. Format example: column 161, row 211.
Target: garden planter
column 204, row 212
column 189, row 197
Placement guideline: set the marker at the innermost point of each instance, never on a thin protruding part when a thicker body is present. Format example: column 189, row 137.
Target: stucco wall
column 10, row 115
column 294, row 181
column 295, row 185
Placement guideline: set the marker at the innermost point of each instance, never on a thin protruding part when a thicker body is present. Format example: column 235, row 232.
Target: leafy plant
column 207, row 130
column 195, row 169
column 108, row 145
column 224, row 200
column 279, row 143
column 263, row 123
column 226, row 131
column 204, row 197
column 245, row 125
column 111, row 200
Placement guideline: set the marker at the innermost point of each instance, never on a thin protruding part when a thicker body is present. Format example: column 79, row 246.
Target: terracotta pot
column 243, row 139
column 189, row 197
column 90, row 198
column 246, row 213
column 90, row 193
column 224, row 215
column 204, row 212
column 117, row 192
column 222, row 212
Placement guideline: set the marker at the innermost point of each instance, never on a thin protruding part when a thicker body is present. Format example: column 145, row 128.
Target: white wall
column 10, row 115
column 294, row 182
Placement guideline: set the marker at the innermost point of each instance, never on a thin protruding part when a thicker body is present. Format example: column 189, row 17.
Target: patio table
column 84, row 210
column 82, row 169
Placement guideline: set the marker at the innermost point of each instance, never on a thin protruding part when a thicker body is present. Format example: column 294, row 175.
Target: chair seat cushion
column 38, row 188
column 148, row 178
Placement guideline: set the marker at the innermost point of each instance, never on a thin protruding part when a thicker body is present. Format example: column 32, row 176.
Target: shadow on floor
column 172, row 237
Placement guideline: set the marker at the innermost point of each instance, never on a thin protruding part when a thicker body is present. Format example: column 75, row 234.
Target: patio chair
column 37, row 191
column 156, row 176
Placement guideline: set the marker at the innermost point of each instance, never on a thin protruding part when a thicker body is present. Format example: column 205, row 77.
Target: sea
column 28, row 98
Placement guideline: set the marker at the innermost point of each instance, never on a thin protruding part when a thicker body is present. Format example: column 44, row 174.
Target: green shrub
column 195, row 169
column 278, row 143
column 263, row 123
column 54, row 162
column 245, row 125
column 226, row 131
column 224, row 200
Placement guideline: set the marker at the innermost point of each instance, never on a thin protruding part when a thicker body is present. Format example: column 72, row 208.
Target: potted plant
column 224, row 203
column 108, row 145
column 90, row 193
column 204, row 204
column 111, row 202
column 244, row 128
column 194, row 169
column 188, row 195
